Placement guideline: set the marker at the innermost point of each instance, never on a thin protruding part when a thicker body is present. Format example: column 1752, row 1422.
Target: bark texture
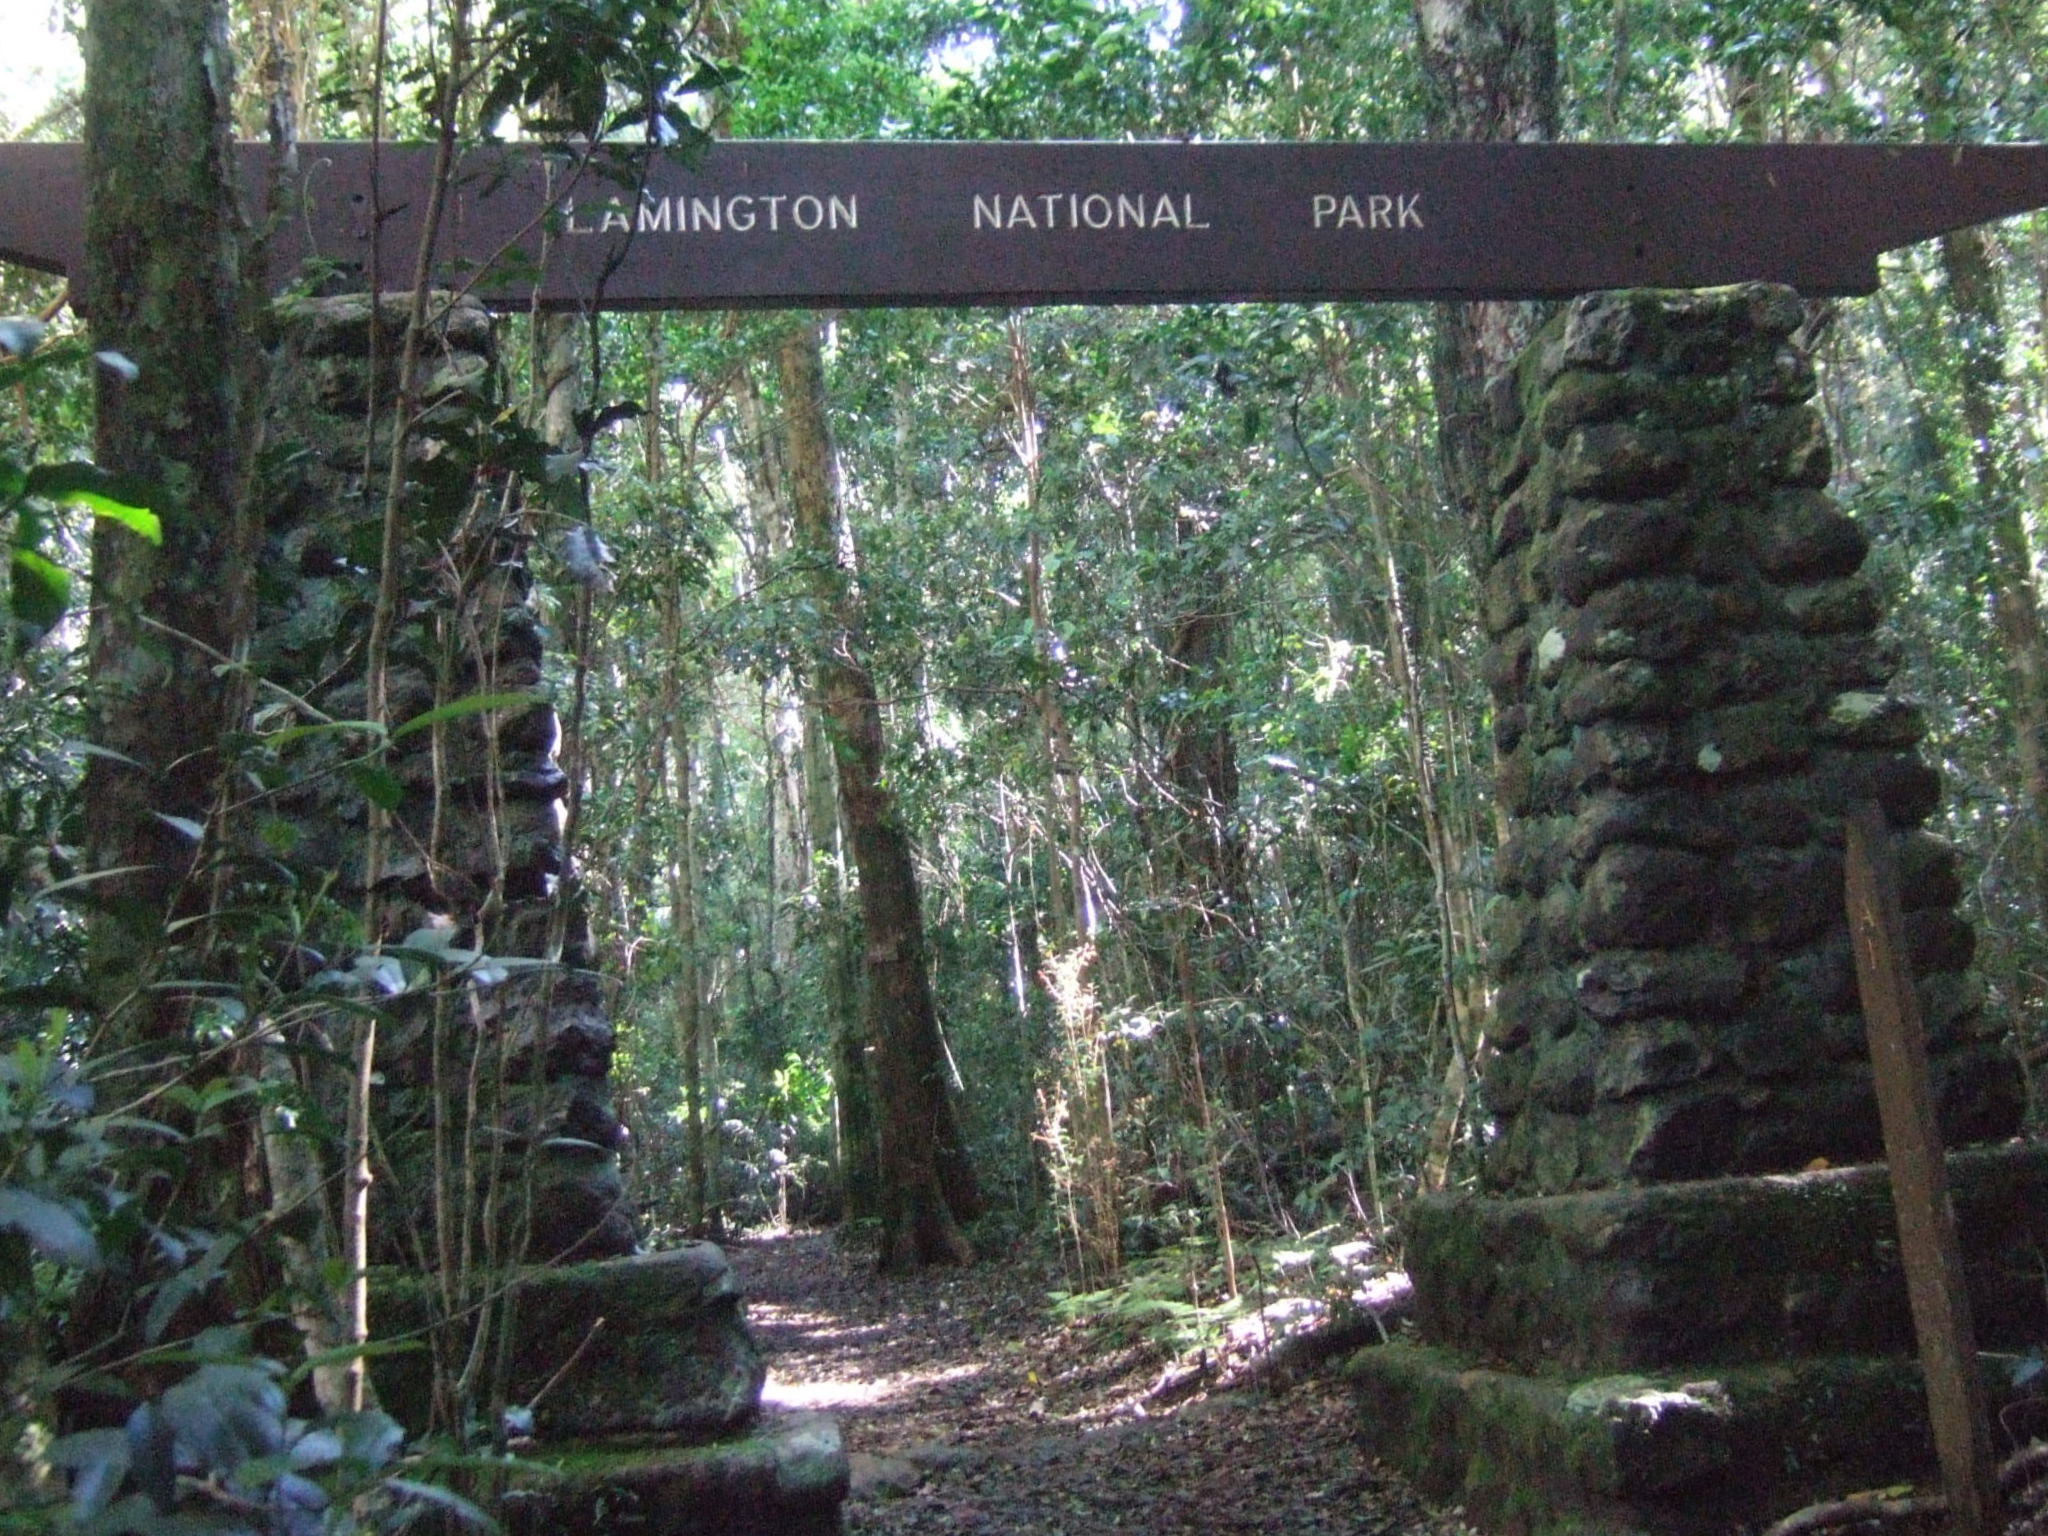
column 1491, row 72
column 163, row 287
column 926, row 1180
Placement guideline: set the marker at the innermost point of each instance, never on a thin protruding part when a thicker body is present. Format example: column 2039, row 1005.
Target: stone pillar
column 1689, row 689
column 476, row 856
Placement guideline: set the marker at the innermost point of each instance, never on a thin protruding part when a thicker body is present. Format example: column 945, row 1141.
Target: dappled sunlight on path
column 964, row 1408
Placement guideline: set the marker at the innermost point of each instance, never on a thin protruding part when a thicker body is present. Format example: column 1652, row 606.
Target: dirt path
column 967, row 1410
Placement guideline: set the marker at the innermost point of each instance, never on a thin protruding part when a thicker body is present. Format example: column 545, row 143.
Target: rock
column 657, row 1345
column 881, row 1477
column 787, row 1478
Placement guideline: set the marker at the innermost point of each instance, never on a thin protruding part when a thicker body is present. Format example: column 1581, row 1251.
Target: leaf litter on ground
column 966, row 1406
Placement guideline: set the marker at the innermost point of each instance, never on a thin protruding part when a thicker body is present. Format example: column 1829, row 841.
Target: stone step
column 786, row 1477
column 1701, row 1453
column 1720, row 1270
column 653, row 1344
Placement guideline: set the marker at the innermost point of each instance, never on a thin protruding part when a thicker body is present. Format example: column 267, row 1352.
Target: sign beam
column 796, row 224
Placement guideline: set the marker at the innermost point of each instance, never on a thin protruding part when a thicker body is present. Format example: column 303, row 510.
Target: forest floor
column 966, row 1407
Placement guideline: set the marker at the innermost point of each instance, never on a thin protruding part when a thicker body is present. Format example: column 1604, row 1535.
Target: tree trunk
column 1491, row 68
column 926, row 1182
column 1978, row 332
column 853, row 1079
column 163, row 287
column 1491, row 73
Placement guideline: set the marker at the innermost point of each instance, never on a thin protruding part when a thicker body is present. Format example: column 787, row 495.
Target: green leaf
column 38, row 592
column 184, row 826
column 445, row 1499
column 475, row 704
column 292, row 733
column 378, row 785
column 52, row 1228
column 106, row 495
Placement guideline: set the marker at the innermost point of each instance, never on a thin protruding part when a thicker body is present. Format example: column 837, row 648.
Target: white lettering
column 1163, row 213
column 569, row 224
column 775, row 209
column 988, row 211
column 848, row 209
column 1090, row 216
column 1020, row 213
column 614, row 218
column 1372, row 210
column 1050, row 202
column 705, row 215
column 811, row 221
column 741, row 219
column 1129, row 211
column 655, row 214
column 1187, row 210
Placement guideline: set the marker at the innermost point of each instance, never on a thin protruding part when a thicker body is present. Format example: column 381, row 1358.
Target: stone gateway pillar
column 475, row 858
column 1677, row 1307
column 1689, row 691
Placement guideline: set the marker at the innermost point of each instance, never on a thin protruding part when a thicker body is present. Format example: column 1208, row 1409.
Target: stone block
column 1621, row 690
column 1770, row 812
column 1801, row 535
column 1869, row 719
column 1504, row 665
column 1745, row 738
column 1621, row 462
column 1846, row 605
column 1654, row 1054
column 1563, row 1073
column 1651, row 620
column 1533, row 1006
column 1855, row 661
column 1793, row 450
column 1720, row 1271
column 1671, row 1453
column 1581, row 399
column 1907, row 789
column 1661, row 818
column 1599, row 543
column 1638, row 897
column 1930, row 871
column 1692, row 1134
column 663, row 1347
column 786, row 1478
column 1602, row 331
column 1624, row 984
column 1628, row 755
column 1747, row 668
column 1783, row 897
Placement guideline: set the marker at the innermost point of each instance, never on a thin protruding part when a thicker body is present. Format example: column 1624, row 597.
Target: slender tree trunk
column 1977, row 326
column 926, row 1183
column 853, row 1078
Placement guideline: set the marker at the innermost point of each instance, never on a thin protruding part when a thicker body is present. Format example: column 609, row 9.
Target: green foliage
column 218, row 1452
column 31, row 495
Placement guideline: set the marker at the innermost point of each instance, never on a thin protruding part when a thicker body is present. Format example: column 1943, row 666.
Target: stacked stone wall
column 1690, row 688
column 476, row 850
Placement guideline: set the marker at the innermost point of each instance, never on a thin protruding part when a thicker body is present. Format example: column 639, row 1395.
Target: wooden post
column 1919, row 1178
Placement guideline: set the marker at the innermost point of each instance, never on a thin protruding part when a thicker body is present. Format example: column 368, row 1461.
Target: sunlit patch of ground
column 970, row 1409
column 856, row 1391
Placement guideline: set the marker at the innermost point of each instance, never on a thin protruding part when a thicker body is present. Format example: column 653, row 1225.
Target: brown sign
column 827, row 224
